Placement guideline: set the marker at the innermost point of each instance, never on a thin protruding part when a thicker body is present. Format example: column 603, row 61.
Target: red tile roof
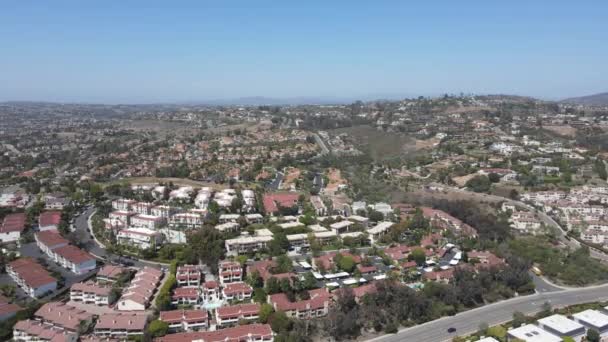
column 49, row 218
column 233, row 288
column 367, row 269
column 73, row 254
column 238, row 310
column 31, row 272
column 235, row 334
column 7, row 308
column 63, row 315
column 327, row 260
column 44, row 332
column 185, row 292
column 122, row 321
column 319, row 298
column 13, row 223
column 111, row 271
column 397, row 253
column 91, row 287
column 273, row 201
column 189, row 316
column 51, row 238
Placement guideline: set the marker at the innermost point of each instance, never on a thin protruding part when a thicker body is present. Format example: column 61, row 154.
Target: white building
column 378, row 230
column 532, row 333
column 561, row 326
column 141, row 238
column 91, row 293
column 188, row 220
column 592, row 319
column 147, row 221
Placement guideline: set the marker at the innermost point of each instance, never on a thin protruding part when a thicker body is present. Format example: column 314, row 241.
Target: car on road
column 451, row 330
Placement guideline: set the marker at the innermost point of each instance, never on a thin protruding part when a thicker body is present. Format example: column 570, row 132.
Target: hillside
column 600, row 99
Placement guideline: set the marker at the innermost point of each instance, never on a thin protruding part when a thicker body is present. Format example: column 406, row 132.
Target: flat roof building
column 561, row 326
column 532, row 333
column 592, row 319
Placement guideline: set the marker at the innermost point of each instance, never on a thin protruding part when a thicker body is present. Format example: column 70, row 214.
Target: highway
column 468, row 322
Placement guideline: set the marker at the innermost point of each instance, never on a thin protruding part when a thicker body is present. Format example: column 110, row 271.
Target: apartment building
column 11, row 228
column 49, row 220
column 138, row 295
column 121, row 325
column 230, row 272
column 123, row 204
column 237, row 291
column 242, row 333
column 142, row 238
column 230, row 315
column 31, row 330
column 64, row 316
column 316, row 306
column 34, row 279
column 147, row 221
column 190, row 220
column 189, row 275
column 91, row 293
column 185, row 320
column 247, row 244
column 185, row 296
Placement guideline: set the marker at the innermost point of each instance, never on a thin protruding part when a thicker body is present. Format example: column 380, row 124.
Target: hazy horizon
column 198, row 51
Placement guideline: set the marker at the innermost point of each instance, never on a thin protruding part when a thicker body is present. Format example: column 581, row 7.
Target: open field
column 381, row 145
column 176, row 181
column 161, row 127
column 563, row 130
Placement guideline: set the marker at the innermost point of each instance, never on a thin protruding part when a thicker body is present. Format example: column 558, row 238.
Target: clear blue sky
column 146, row 51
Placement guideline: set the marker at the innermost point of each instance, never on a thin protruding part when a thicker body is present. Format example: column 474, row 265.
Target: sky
column 192, row 51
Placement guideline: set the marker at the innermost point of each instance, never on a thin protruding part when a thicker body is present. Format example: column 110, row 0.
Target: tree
column 418, row 255
column 273, row 286
column 593, row 335
column 497, row 331
column 259, row 295
column 158, row 328
column 479, row 183
column 375, row 216
column 494, row 177
column 208, row 246
column 279, row 322
column 310, row 282
column 279, row 244
column 519, row 319
column 284, row 264
column 265, row 311
column 346, row 263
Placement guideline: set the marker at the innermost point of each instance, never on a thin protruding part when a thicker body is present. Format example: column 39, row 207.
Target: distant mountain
column 600, row 99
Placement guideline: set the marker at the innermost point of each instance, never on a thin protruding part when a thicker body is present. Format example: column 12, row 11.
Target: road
column 468, row 322
column 81, row 224
column 324, row 149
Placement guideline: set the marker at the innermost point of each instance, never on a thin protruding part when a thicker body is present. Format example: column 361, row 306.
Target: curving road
column 81, row 224
column 468, row 322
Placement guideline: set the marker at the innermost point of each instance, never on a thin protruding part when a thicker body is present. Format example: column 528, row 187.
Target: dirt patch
column 462, row 180
column 426, row 144
column 291, row 175
column 176, row 181
column 380, row 145
column 563, row 130
column 335, row 181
